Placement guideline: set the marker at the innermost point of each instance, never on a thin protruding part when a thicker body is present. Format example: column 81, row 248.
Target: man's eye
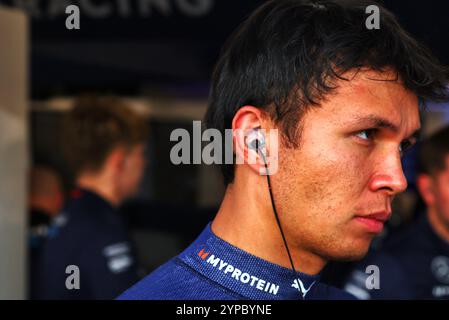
column 365, row 134
column 405, row 146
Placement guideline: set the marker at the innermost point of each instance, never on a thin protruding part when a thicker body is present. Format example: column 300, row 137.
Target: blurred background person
column 46, row 195
column 414, row 263
column 103, row 145
column 45, row 201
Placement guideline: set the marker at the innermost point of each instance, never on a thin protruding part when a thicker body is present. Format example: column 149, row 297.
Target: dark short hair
column 94, row 127
column 286, row 57
column 433, row 152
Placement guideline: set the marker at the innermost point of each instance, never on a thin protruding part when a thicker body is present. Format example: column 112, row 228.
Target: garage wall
column 13, row 153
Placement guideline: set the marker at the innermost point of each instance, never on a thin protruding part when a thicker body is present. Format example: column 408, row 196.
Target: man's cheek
column 341, row 179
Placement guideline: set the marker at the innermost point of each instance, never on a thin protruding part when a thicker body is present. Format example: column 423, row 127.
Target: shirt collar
column 90, row 196
column 244, row 273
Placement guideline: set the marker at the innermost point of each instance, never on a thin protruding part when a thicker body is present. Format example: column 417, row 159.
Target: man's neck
column 99, row 185
column 438, row 224
column 249, row 223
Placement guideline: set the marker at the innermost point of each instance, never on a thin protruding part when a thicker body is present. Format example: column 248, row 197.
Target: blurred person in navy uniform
column 45, row 201
column 345, row 101
column 414, row 264
column 103, row 142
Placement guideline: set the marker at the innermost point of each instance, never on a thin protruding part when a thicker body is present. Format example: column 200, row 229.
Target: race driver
column 345, row 99
column 414, row 264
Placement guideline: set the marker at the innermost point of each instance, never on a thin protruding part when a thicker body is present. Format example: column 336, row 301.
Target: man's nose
column 389, row 175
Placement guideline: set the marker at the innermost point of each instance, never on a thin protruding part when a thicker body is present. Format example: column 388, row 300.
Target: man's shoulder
column 83, row 216
column 174, row 280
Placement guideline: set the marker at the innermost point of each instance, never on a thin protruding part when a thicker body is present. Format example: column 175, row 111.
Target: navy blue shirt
column 90, row 235
column 412, row 265
column 213, row 269
column 38, row 231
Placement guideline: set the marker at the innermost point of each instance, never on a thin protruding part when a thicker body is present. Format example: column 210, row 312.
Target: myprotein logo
column 238, row 274
column 203, row 255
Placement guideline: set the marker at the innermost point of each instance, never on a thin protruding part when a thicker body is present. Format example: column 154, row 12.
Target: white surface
column 13, row 153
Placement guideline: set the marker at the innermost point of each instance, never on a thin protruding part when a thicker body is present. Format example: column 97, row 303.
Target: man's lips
column 373, row 222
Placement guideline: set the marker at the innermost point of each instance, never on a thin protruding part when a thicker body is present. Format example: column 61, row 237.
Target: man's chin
column 350, row 253
column 353, row 256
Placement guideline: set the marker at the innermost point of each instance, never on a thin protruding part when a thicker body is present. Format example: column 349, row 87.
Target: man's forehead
column 375, row 97
column 371, row 82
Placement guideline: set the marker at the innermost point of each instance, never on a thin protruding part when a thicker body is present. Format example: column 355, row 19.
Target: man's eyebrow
column 375, row 121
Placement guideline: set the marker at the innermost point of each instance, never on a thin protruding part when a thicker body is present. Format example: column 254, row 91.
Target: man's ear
column 246, row 119
column 425, row 186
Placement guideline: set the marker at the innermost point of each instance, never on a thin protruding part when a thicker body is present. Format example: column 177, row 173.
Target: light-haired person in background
column 103, row 142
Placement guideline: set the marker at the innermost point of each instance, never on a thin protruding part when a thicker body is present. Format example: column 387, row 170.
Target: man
column 345, row 101
column 45, row 200
column 45, row 196
column 89, row 255
column 415, row 263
